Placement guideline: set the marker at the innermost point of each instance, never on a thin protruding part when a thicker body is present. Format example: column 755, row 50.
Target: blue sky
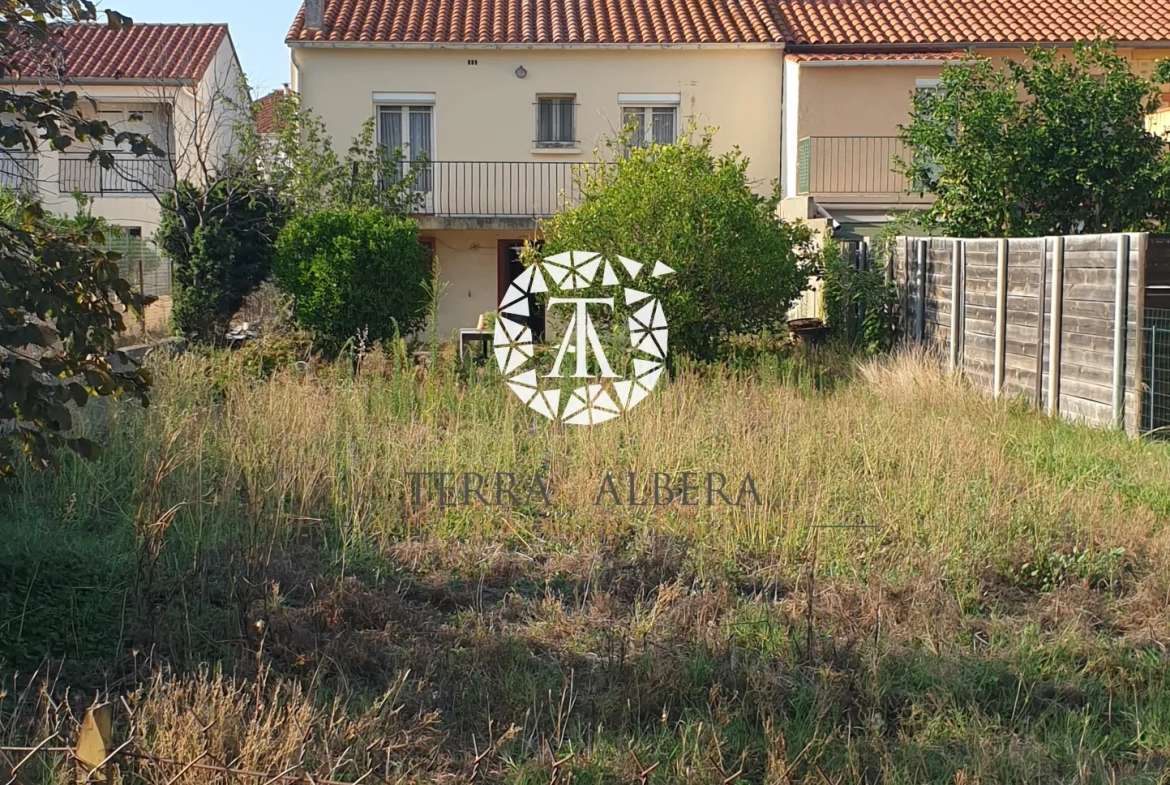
column 258, row 28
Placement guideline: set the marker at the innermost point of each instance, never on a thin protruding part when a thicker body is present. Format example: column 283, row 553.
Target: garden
column 295, row 559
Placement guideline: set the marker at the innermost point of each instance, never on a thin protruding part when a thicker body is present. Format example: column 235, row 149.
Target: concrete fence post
column 920, row 302
column 1001, row 274
column 1120, row 316
column 956, row 287
column 1039, row 389
column 1054, row 327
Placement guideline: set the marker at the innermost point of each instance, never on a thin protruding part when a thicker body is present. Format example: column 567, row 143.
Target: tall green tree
column 221, row 238
column 61, row 296
column 1053, row 144
column 738, row 267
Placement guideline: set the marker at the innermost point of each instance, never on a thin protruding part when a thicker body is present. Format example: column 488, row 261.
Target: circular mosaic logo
column 602, row 394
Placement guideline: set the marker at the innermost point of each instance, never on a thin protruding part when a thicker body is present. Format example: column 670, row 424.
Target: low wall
column 989, row 306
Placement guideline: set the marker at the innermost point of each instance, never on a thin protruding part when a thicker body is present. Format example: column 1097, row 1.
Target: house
column 267, row 122
column 507, row 97
column 850, row 69
column 179, row 83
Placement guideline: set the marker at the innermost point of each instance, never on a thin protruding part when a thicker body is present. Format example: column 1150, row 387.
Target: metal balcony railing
column 850, row 165
column 19, row 170
column 470, row 189
column 130, row 175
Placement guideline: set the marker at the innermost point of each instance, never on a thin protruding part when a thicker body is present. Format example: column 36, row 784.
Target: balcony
column 845, row 168
column 456, row 193
column 19, row 170
column 130, row 175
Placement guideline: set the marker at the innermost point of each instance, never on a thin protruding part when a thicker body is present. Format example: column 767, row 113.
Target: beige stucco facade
column 850, row 110
column 484, row 112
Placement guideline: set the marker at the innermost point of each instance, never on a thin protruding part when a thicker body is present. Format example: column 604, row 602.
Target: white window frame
column 404, row 103
column 404, row 109
column 645, row 104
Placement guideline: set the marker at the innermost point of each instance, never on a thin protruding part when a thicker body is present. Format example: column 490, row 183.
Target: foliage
column 1073, row 156
column 738, row 268
column 221, row 236
column 881, row 245
column 61, row 295
column 353, row 270
column 220, row 240
column 299, row 162
column 859, row 304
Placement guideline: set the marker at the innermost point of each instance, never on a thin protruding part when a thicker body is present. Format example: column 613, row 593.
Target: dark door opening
column 510, row 268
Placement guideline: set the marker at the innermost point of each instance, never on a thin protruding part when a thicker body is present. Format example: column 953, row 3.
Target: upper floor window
column 406, row 128
column 651, row 124
column 409, row 128
column 653, row 117
column 556, row 117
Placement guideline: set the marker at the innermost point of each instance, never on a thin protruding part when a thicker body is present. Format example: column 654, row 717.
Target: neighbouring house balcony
column 19, row 171
column 130, row 175
column 853, row 169
column 504, row 194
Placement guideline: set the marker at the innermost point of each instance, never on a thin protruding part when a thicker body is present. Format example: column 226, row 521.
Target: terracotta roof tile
column 911, row 22
column 545, row 21
column 796, row 22
column 168, row 52
column 266, row 110
column 872, row 57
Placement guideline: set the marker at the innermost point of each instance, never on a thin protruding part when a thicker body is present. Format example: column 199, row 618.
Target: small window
column 556, row 121
column 135, row 232
column 652, row 124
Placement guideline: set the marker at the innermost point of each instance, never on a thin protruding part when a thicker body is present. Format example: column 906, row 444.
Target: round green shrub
column 351, row 271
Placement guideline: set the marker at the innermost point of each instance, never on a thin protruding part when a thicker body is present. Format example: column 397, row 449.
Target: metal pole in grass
column 1120, row 314
column 1153, row 371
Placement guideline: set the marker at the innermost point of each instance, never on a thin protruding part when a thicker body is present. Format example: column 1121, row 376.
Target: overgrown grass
column 933, row 588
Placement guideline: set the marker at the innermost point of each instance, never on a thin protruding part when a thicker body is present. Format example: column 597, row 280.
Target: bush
column 221, row 243
column 738, row 267
column 354, row 270
column 859, row 304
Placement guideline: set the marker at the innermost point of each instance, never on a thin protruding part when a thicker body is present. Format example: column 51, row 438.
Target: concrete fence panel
column 1035, row 317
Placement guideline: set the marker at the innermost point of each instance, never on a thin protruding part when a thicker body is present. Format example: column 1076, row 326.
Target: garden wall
column 1001, row 330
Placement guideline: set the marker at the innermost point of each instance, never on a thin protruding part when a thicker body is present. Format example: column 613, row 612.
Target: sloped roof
column 916, row 22
column 94, row 52
column 545, row 22
column 266, row 111
column 873, row 57
column 799, row 23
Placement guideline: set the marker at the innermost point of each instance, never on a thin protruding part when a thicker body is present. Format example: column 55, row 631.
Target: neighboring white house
column 179, row 83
